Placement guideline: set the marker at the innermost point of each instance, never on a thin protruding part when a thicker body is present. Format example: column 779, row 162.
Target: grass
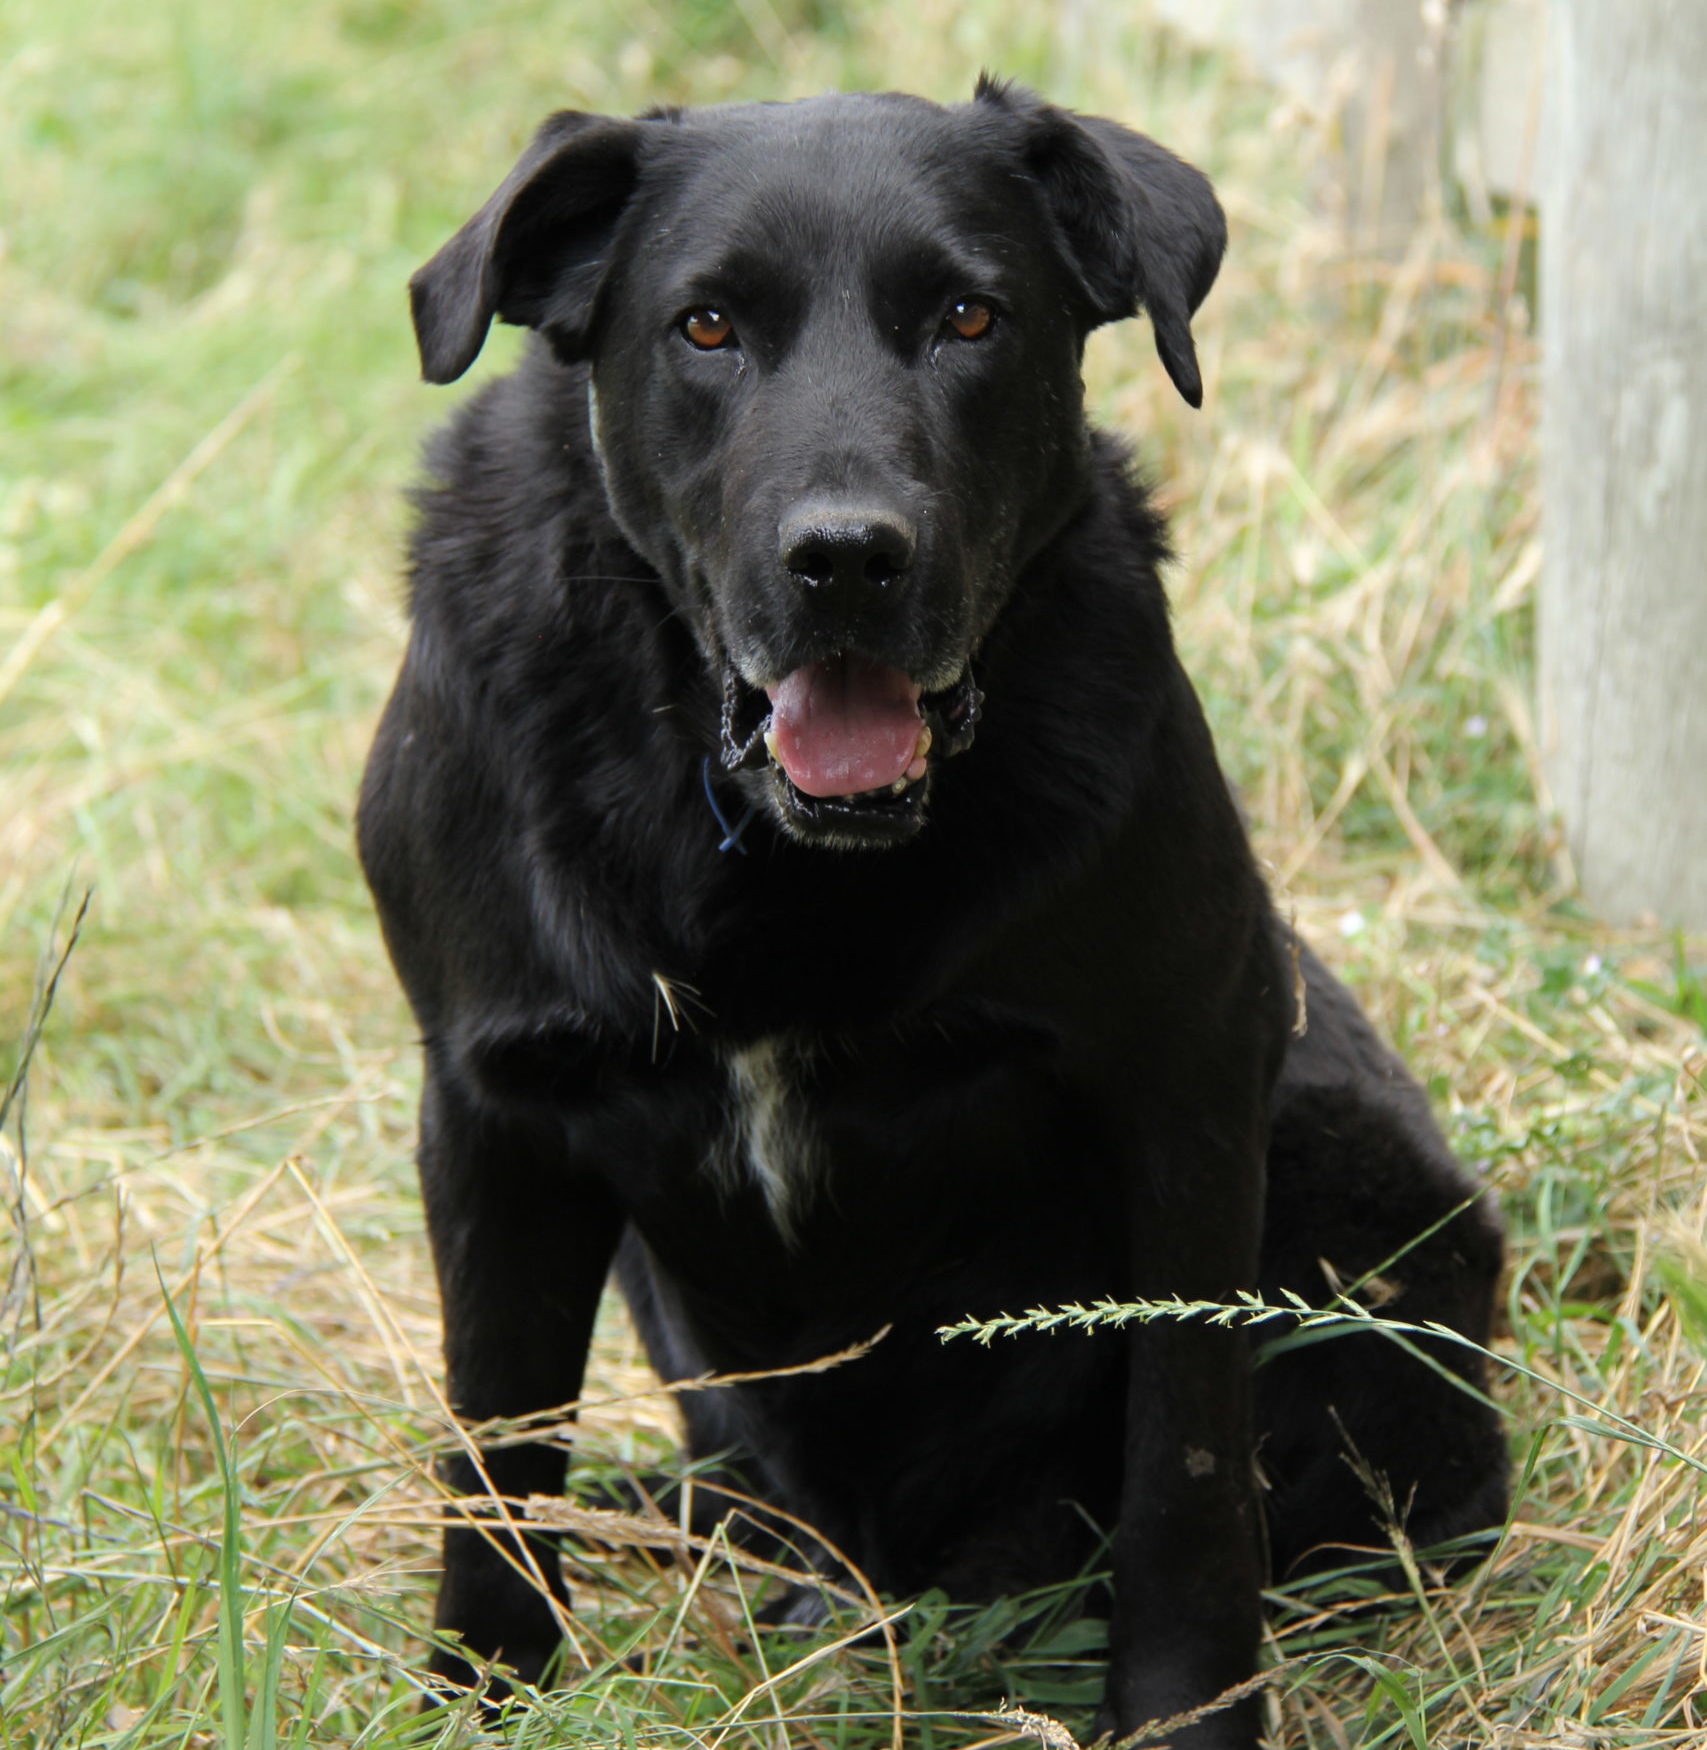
column 219, row 1400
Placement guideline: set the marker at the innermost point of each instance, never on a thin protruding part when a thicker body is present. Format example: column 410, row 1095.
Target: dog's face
column 834, row 356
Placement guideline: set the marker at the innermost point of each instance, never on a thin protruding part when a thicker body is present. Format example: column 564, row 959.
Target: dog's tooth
column 916, row 770
column 924, row 745
column 770, row 745
column 898, row 786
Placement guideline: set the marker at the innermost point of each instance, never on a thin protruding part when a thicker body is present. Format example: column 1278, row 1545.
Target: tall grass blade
column 231, row 1660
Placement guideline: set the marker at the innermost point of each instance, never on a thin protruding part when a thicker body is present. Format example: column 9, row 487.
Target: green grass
column 219, row 1405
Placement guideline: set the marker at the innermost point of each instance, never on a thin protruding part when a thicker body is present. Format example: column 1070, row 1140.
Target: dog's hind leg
column 713, row 1428
column 728, row 1484
column 1363, row 1194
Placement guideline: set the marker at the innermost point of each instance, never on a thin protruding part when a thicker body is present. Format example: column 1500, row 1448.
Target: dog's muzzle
column 848, row 744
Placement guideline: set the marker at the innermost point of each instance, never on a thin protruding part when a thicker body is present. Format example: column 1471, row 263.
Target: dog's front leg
column 522, row 1242
column 1187, row 1550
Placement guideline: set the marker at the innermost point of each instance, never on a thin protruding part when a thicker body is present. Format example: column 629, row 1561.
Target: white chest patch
column 770, row 1141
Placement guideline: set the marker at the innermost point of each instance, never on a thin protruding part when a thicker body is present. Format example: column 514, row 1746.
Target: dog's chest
column 771, row 1140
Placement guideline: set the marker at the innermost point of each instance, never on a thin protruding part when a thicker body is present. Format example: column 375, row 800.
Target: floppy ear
column 1142, row 228
column 535, row 253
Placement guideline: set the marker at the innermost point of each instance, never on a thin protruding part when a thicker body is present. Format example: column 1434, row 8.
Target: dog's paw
column 1141, row 1710
column 452, row 1675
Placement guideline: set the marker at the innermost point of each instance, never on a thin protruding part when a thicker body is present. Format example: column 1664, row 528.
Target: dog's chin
column 878, row 820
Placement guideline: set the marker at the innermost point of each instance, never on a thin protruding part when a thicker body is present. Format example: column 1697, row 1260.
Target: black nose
column 846, row 549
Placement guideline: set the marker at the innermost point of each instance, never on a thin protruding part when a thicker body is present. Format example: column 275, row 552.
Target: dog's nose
column 847, row 551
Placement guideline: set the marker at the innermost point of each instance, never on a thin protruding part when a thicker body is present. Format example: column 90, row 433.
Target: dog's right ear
column 535, row 253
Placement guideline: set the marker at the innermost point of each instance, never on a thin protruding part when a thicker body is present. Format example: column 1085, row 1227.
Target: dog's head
column 834, row 353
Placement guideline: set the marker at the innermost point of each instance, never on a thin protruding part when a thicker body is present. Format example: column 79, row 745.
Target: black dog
column 811, row 871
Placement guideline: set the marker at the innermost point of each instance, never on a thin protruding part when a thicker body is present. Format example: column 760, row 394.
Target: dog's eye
column 708, row 329
column 970, row 319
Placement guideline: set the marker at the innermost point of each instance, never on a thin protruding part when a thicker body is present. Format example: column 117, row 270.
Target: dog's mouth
column 850, row 744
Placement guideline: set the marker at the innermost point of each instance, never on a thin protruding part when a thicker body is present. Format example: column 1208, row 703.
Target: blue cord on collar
column 731, row 834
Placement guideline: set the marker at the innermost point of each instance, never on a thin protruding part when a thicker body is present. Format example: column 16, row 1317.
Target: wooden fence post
column 1623, row 601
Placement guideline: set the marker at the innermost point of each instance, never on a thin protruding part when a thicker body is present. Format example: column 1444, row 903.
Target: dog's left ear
column 1142, row 228
column 535, row 252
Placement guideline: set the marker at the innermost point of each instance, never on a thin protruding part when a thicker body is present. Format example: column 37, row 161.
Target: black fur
column 1010, row 1039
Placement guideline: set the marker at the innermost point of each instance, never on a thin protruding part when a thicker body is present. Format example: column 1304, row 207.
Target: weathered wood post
column 1623, row 601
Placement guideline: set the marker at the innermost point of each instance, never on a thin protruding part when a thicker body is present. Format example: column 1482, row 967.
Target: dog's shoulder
column 546, row 705
column 539, row 638
column 512, row 508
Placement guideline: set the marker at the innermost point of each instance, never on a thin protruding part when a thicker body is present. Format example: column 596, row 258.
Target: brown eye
column 970, row 319
column 708, row 329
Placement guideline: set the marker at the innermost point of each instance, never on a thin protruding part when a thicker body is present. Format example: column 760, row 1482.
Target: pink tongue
column 844, row 726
